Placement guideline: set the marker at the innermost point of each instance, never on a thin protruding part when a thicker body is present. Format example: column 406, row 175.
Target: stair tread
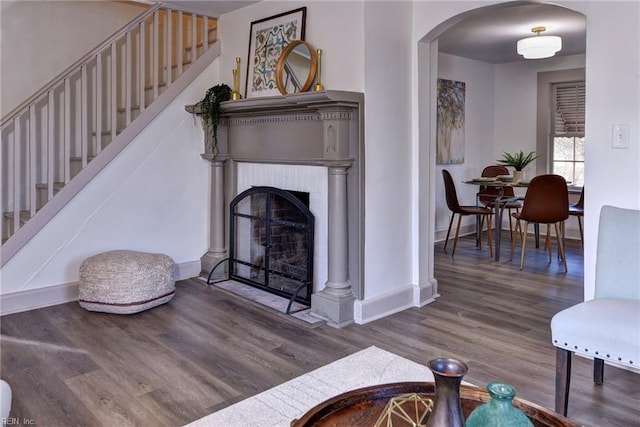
column 56, row 185
column 200, row 44
column 133, row 108
column 107, row 132
column 149, row 87
column 24, row 216
column 184, row 64
column 78, row 158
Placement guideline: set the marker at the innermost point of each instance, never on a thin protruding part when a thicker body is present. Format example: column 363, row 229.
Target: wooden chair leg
column 563, row 379
column 446, row 241
column 510, row 223
column 561, row 246
column 455, row 239
column 581, row 231
column 598, row 371
column 489, row 238
column 547, row 241
column 524, row 243
column 513, row 242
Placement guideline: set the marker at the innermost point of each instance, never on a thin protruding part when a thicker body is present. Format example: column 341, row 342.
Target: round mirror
column 296, row 68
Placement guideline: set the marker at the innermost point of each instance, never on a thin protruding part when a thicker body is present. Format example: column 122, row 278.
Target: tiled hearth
column 273, row 302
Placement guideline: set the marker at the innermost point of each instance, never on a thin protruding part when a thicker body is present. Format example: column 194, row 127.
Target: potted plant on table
column 518, row 161
column 210, row 111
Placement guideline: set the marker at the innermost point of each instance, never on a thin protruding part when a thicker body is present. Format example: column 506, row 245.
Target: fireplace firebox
column 271, row 242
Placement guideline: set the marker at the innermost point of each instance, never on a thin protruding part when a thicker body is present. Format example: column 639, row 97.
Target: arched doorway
column 428, row 52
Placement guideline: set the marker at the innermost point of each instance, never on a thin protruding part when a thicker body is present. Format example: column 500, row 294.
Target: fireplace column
column 335, row 301
column 217, row 250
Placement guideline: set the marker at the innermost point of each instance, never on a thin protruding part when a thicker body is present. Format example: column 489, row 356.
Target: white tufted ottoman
column 125, row 282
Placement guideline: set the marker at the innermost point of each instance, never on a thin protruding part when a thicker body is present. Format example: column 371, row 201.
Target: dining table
column 500, row 203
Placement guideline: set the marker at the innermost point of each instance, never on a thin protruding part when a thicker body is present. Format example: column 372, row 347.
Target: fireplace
column 312, row 142
column 271, row 242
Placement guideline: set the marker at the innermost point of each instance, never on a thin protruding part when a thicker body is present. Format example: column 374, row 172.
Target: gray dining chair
column 463, row 210
column 546, row 202
column 577, row 210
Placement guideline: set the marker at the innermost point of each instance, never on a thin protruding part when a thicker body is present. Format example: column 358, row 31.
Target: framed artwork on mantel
column 268, row 37
column 450, row 125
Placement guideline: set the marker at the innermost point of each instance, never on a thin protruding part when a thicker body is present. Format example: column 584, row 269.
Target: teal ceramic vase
column 499, row 412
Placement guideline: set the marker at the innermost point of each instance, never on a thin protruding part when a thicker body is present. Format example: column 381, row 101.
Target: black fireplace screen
column 271, row 243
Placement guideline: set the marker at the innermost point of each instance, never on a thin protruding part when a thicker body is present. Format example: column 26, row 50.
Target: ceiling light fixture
column 538, row 47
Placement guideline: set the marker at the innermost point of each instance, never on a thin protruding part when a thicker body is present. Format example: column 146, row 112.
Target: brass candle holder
column 318, row 87
column 235, row 94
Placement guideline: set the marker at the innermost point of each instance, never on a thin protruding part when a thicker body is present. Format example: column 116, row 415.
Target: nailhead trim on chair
column 597, row 353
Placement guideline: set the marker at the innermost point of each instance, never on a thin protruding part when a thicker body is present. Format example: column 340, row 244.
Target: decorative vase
column 499, row 412
column 518, row 175
column 447, row 410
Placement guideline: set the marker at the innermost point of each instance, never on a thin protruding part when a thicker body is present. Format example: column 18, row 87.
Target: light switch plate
column 620, row 136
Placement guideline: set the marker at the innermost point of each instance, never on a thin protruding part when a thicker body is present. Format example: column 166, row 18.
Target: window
column 567, row 131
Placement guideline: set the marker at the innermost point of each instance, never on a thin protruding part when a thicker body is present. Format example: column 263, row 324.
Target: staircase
column 60, row 138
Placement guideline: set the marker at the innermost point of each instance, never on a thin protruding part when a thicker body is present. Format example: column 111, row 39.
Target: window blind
column 569, row 108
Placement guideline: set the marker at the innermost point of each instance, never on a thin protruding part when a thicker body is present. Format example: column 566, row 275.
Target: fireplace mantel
column 312, row 128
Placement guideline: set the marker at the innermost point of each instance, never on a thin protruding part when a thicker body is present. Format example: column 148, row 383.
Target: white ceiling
column 213, row 8
column 490, row 35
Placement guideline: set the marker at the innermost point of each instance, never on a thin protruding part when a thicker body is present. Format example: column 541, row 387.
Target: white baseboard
column 465, row 229
column 32, row 299
column 425, row 293
column 371, row 309
column 572, row 232
column 187, row 270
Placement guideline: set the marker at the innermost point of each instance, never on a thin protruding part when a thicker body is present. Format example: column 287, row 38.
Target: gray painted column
column 217, row 249
column 335, row 301
column 338, row 275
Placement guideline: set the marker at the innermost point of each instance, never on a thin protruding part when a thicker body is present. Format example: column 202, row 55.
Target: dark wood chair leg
column 446, row 240
column 563, row 379
column 598, row 371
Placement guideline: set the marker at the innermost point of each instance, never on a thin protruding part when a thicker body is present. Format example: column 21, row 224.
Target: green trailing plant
column 210, row 110
column 518, row 161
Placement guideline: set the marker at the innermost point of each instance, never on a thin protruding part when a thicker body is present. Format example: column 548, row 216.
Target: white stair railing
column 57, row 132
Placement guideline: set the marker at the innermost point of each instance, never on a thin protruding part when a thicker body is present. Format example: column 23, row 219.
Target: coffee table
column 363, row 407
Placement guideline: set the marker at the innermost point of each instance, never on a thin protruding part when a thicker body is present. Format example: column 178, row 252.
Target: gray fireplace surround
column 323, row 129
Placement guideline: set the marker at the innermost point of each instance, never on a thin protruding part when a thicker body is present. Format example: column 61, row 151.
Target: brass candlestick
column 235, row 94
column 319, row 86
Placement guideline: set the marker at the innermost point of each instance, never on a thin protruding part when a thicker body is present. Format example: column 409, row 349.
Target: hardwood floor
column 207, row 349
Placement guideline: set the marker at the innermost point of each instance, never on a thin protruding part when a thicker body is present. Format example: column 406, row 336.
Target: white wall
column 37, row 42
column 613, row 96
column 388, row 226
column 334, row 27
column 516, row 96
column 479, row 133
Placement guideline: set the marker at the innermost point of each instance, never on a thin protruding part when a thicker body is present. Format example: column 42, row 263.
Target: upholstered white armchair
column 5, row 400
column 606, row 328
